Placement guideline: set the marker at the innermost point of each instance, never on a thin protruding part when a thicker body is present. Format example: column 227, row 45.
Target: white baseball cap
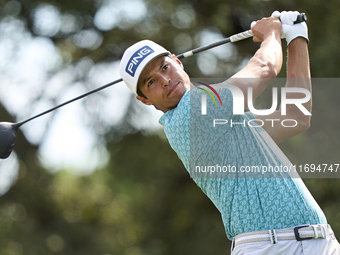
column 135, row 58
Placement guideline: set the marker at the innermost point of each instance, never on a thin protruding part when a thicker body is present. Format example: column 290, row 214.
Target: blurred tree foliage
column 143, row 201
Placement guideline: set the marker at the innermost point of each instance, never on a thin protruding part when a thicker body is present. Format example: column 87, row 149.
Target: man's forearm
column 298, row 59
column 298, row 75
column 270, row 55
column 267, row 61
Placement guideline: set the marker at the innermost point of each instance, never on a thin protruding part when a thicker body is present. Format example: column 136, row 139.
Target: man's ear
column 177, row 60
column 144, row 100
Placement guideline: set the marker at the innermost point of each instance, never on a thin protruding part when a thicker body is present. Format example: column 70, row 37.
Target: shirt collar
column 170, row 112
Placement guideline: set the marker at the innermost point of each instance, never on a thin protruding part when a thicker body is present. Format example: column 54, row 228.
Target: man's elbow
column 303, row 124
column 306, row 125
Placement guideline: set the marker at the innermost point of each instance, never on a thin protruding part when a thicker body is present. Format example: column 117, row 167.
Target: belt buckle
column 297, row 235
column 323, row 231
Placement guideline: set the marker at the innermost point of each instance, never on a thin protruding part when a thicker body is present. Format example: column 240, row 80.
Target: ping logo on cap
column 137, row 58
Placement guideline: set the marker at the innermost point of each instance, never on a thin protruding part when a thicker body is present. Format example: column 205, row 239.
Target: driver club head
column 7, row 138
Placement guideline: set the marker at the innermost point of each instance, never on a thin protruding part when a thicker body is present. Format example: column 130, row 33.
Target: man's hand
column 290, row 31
column 265, row 27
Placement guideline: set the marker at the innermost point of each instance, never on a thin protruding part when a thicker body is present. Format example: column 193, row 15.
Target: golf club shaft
column 17, row 125
column 233, row 38
column 187, row 54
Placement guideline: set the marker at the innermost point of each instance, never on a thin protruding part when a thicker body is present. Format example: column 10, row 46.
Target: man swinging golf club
column 273, row 215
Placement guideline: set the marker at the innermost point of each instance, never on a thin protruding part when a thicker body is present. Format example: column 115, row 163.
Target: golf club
column 8, row 130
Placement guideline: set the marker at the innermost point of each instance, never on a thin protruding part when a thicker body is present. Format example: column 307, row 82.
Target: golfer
column 275, row 214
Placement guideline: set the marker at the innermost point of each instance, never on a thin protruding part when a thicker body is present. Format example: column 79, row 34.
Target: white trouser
column 321, row 246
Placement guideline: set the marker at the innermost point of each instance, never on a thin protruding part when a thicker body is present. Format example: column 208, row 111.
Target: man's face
column 163, row 81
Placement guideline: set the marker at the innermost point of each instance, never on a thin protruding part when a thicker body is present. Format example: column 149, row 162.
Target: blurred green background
column 131, row 195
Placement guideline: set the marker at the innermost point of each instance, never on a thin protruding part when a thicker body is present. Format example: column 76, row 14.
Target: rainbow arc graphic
column 209, row 93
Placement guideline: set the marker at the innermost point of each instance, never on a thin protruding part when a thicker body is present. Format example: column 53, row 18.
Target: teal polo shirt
column 247, row 201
